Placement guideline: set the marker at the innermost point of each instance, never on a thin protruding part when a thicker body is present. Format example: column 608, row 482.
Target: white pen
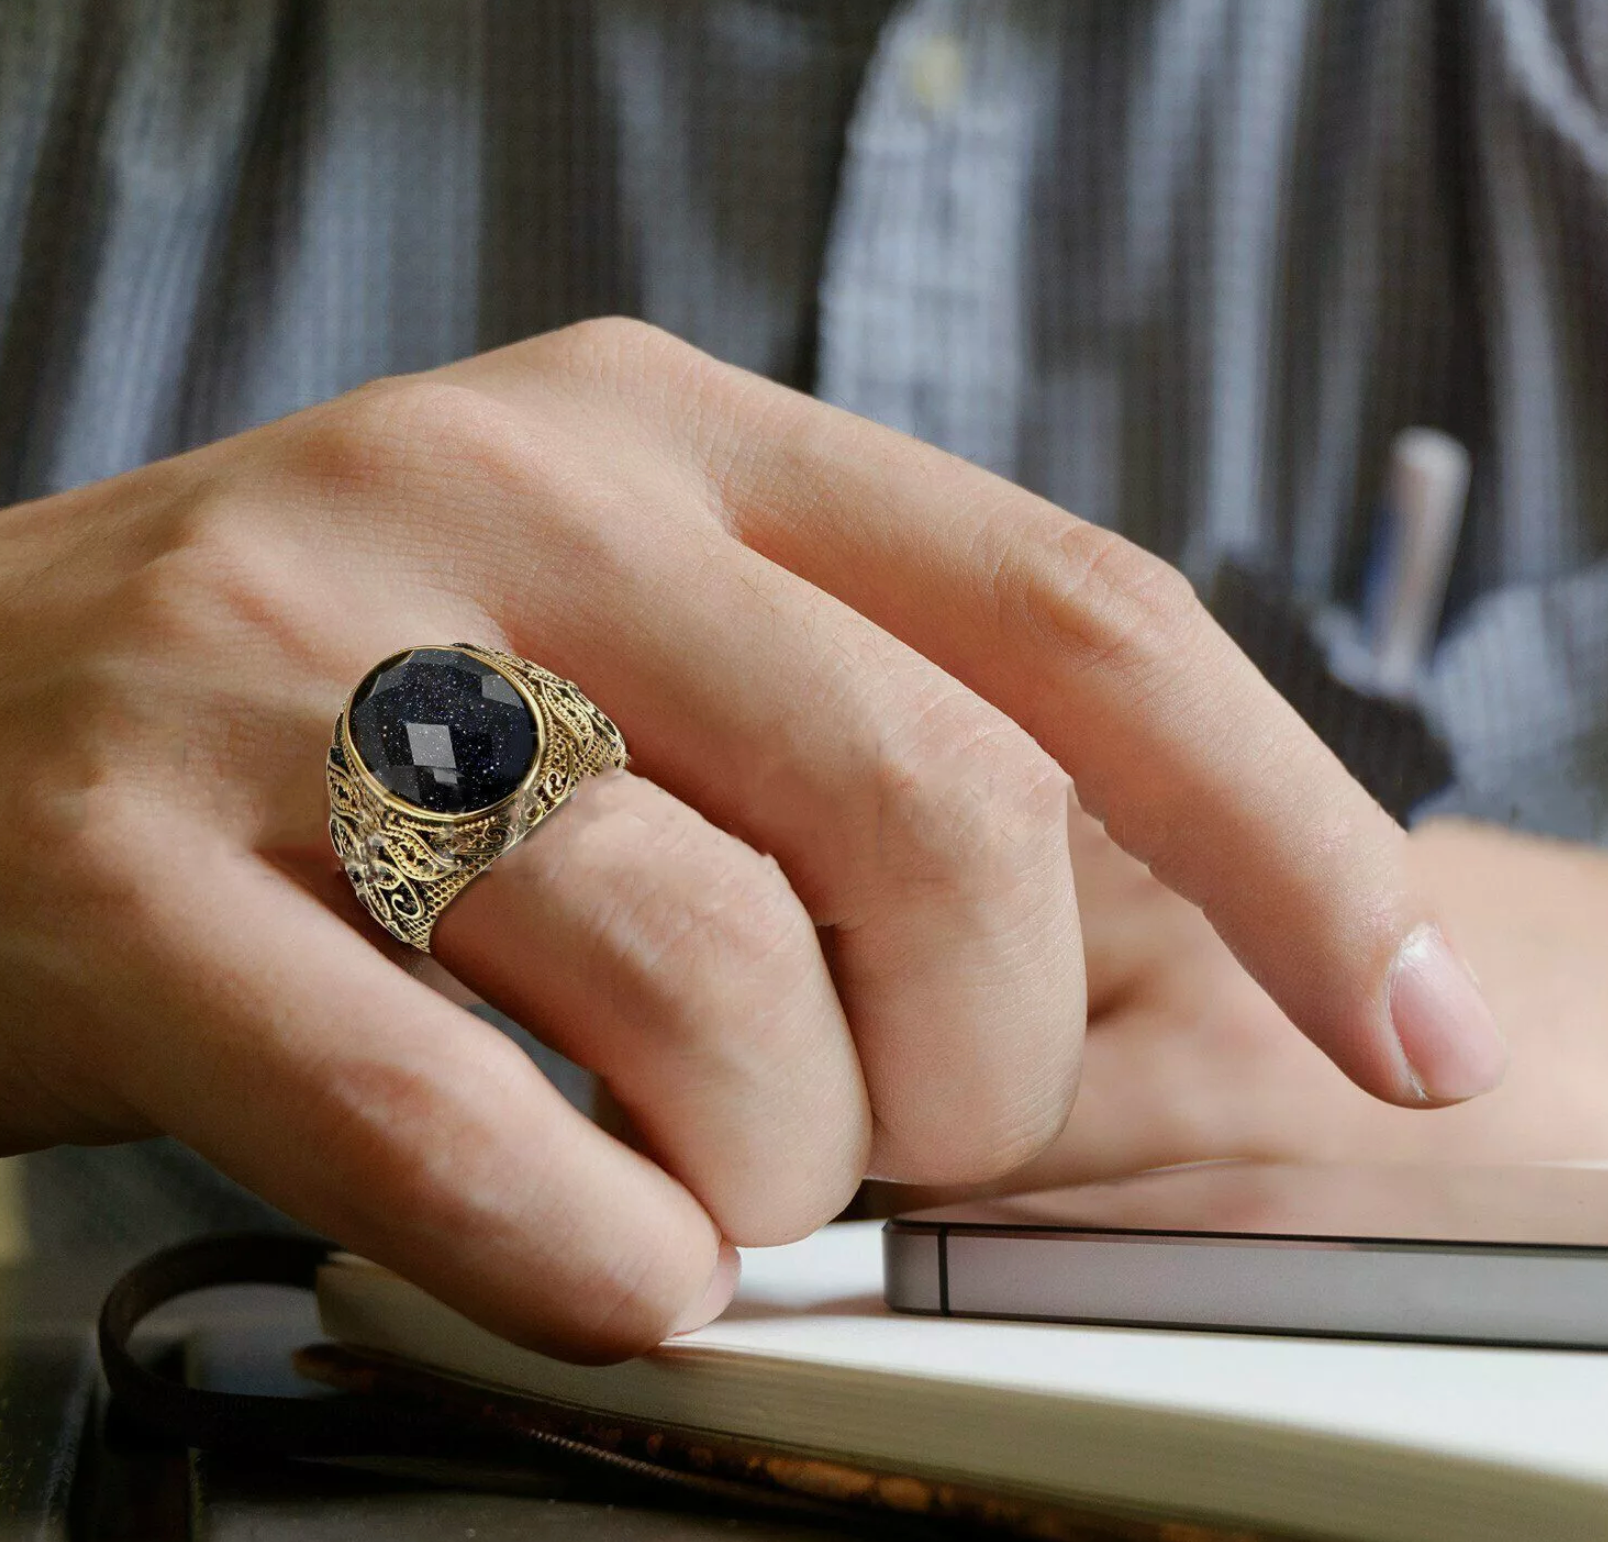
column 1426, row 490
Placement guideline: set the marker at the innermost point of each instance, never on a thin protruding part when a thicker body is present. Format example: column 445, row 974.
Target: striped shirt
column 1184, row 266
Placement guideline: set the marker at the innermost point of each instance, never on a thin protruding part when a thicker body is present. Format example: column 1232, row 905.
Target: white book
column 1372, row 1442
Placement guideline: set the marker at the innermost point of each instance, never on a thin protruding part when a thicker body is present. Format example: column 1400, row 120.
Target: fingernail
column 717, row 1297
column 1452, row 1043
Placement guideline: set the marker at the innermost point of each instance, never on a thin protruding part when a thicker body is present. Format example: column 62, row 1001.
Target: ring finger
column 677, row 963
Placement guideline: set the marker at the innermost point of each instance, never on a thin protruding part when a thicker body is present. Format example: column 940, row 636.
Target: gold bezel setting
column 406, row 863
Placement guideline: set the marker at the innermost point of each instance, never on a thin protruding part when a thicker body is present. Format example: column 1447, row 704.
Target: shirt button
column 936, row 72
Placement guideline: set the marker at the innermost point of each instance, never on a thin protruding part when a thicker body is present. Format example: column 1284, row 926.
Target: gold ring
column 442, row 760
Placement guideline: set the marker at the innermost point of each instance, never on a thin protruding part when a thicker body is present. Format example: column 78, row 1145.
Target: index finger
column 1196, row 765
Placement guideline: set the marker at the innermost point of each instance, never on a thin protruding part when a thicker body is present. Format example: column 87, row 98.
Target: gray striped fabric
column 1185, row 266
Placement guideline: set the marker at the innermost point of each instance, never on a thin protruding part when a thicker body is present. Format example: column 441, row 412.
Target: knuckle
column 613, row 346
column 1024, row 1134
column 765, row 1209
column 627, row 1307
column 410, row 437
column 965, row 798
column 418, row 1130
column 747, row 915
column 724, row 924
column 1108, row 604
column 702, row 410
column 706, row 946
column 1000, row 1135
column 350, row 444
column 372, row 1115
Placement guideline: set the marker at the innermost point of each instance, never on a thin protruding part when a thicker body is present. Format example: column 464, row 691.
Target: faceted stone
column 442, row 730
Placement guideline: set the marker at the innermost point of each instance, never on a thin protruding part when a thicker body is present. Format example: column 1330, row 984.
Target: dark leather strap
column 463, row 1444
column 284, row 1426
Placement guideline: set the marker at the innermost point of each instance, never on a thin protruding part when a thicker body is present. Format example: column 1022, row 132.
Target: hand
column 1188, row 1059
column 829, row 929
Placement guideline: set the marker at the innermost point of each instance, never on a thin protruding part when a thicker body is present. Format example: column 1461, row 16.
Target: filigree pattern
column 405, row 868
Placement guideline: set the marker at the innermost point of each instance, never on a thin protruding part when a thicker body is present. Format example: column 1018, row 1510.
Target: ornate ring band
column 442, row 760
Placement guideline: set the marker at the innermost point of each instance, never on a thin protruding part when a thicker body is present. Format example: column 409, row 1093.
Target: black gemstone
column 442, row 730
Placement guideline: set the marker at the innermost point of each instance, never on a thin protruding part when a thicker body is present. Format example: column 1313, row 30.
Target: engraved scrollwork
column 403, row 870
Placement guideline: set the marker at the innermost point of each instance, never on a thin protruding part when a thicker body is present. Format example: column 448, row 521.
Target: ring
column 443, row 759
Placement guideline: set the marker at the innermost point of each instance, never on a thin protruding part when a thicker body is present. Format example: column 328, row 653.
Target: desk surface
column 66, row 1477
column 71, row 1220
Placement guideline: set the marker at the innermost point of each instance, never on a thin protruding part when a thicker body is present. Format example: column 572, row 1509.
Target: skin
column 827, row 926
column 1187, row 1059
